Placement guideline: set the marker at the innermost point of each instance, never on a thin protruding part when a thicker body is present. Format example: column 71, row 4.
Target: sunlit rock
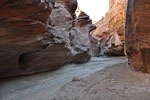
column 110, row 29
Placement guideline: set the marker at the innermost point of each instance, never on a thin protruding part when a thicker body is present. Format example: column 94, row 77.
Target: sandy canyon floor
column 99, row 79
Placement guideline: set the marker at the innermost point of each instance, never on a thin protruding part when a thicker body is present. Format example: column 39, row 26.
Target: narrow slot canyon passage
column 74, row 50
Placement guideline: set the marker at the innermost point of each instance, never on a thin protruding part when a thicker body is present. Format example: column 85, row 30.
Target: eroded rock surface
column 35, row 36
column 138, row 35
column 110, row 29
column 22, row 24
column 83, row 26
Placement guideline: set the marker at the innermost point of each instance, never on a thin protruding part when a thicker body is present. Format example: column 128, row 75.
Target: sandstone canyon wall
column 110, row 29
column 138, row 35
column 41, row 35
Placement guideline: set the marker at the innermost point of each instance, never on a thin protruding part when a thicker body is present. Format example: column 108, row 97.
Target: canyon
column 51, row 50
column 110, row 31
column 37, row 36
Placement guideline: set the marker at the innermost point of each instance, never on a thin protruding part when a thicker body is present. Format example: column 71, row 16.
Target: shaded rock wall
column 110, row 29
column 36, row 36
column 82, row 29
column 22, row 25
column 94, row 46
column 138, row 35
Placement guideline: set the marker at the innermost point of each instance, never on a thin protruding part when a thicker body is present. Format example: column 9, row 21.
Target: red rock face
column 22, row 22
column 138, row 35
column 35, row 36
column 110, row 29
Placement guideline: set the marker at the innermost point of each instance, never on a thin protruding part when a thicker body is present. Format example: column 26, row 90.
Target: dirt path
column 34, row 87
column 118, row 82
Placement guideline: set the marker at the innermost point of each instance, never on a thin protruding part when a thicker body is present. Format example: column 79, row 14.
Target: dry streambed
column 41, row 86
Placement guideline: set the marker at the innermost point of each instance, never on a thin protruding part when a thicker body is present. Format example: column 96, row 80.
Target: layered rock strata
column 36, row 36
column 82, row 29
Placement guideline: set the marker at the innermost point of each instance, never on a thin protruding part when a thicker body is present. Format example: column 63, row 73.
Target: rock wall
column 138, row 35
column 36, row 36
column 110, row 29
column 82, row 29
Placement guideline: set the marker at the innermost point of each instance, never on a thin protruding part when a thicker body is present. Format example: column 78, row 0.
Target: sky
column 94, row 8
